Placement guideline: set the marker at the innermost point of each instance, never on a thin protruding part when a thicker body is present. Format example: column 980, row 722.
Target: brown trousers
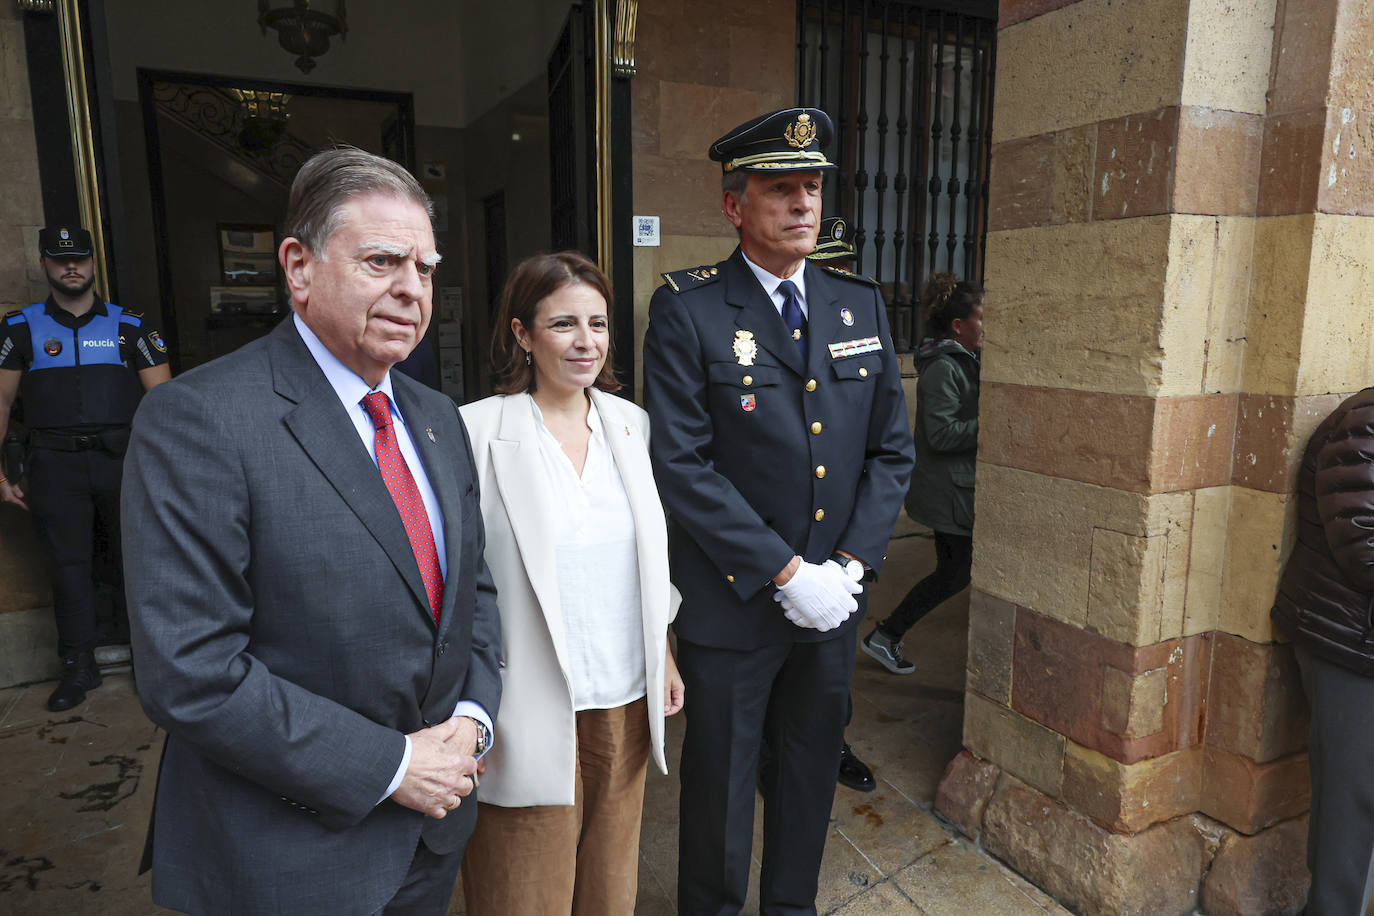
column 581, row 859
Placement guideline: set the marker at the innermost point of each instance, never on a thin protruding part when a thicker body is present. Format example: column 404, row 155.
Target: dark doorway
column 222, row 152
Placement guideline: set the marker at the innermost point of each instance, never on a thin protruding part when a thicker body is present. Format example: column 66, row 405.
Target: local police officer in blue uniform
column 781, row 449
column 81, row 365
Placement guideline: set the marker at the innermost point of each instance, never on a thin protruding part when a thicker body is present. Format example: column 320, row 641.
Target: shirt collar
column 770, row 282
column 51, row 307
column 347, row 384
column 593, row 419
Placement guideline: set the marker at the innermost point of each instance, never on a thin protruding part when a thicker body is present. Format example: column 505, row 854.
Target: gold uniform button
column 820, row 515
column 811, row 385
column 820, row 470
column 748, row 380
column 816, row 428
column 863, row 373
column 729, row 578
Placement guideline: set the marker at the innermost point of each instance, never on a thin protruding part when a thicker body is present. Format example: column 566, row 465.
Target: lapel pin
column 429, row 432
column 847, row 317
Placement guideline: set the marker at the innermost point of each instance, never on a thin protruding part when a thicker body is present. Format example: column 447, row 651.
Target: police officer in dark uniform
column 781, row 450
column 81, row 365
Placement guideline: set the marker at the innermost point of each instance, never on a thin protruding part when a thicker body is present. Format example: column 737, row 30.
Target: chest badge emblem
column 747, row 402
column 52, row 346
column 847, row 317
column 746, row 348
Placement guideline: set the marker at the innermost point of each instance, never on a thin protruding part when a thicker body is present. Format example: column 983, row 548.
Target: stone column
column 1177, row 296
column 28, row 642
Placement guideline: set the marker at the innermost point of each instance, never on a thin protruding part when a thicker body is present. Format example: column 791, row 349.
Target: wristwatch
column 853, row 568
column 483, row 738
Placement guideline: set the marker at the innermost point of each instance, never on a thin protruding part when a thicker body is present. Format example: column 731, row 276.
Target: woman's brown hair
column 947, row 298
column 534, row 280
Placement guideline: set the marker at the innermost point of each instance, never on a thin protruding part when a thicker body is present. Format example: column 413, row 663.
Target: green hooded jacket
column 941, row 492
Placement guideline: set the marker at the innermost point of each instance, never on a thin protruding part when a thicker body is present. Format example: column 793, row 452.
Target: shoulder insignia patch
column 14, row 317
column 848, row 275
column 137, row 316
column 680, row 280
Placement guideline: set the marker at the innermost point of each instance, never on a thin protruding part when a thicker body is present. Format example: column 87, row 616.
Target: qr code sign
column 646, row 231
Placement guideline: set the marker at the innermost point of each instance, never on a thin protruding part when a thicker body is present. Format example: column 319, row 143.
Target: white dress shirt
column 598, row 570
column 771, row 282
column 351, row 389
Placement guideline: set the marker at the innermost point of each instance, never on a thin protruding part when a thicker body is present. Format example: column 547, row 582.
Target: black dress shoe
column 854, row 773
column 79, row 674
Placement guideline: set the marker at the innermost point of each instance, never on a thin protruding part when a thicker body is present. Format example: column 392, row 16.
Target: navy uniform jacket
column 758, row 462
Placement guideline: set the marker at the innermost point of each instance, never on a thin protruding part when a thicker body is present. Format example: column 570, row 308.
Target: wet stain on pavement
column 872, row 817
column 21, row 872
column 103, row 796
column 44, row 731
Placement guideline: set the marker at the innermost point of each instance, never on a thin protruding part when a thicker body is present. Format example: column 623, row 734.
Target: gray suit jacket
column 282, row 635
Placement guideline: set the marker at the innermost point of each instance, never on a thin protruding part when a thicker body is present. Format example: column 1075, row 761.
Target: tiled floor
column 78, row 787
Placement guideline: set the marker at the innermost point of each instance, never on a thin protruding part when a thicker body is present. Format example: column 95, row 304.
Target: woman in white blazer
column 577, row 544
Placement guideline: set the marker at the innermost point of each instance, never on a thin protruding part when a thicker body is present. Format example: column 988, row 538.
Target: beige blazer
column 534, row 757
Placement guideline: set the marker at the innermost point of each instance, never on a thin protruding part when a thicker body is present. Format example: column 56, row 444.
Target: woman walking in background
column 946, row 432
column 577, row 544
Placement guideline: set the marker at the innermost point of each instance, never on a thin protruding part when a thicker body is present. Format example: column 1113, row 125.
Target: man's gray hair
column 330, row 179
column 736, row 182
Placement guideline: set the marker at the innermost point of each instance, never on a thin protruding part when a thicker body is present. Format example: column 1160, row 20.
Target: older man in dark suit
column 781, row 450
column 313, row 622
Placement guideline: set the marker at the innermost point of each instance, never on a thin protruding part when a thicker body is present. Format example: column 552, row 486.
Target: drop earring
column 529, row 360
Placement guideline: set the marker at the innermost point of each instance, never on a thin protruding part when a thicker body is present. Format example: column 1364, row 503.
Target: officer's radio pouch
column 13, row 455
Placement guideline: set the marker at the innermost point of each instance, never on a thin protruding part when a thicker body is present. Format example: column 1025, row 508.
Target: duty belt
column 112, row 440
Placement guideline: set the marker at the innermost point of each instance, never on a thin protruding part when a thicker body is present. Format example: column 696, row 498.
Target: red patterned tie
column 407, row 498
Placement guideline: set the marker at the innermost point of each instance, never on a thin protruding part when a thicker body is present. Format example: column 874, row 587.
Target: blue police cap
column 791, row 140
column 832, row 242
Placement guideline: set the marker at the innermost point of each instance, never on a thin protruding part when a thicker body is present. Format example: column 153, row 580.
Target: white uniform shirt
column 598, row 570
column 771, row 282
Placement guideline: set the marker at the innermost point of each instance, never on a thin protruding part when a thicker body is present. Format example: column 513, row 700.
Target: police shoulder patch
column 14, row 317
column 680, row 280
column 135, row 316
column 848, row 275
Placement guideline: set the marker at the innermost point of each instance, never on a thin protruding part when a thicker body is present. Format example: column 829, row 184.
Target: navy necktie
column 792, row 315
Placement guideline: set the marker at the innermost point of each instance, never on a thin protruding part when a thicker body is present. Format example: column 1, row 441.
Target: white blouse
column 598, row 570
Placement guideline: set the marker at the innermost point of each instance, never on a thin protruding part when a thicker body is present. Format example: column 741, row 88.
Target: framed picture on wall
column 248, row 254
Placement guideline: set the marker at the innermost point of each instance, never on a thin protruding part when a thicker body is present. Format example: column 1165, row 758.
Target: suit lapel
column 436, row 456
column 525, row 492
column 823, row 316
column 758, row 314
column 326, row 433
column 632, row 462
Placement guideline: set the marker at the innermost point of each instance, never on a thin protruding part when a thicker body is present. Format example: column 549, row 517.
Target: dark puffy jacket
column 1327, row 588
column 940, row 495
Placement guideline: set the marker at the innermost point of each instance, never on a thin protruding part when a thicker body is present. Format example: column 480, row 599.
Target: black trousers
column 953, row 566
column 67, row 491
column 1340, row 833
column 798, row 694
column 428, row 884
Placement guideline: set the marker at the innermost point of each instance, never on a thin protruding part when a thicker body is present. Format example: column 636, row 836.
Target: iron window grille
column 909, row 86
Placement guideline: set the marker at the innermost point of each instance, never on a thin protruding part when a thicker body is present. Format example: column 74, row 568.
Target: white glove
column 819, row 596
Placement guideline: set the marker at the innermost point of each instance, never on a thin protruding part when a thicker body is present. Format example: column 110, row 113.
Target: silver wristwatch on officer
column 854, row 568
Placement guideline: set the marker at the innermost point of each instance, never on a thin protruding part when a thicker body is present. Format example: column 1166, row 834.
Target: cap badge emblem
column 800, row 132
column 746, row 348
column 64, row 234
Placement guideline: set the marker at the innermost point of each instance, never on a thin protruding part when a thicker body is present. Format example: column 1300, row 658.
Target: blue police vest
column 78, row 377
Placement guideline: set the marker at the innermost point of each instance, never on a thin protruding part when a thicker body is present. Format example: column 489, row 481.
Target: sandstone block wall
column 1178, row 294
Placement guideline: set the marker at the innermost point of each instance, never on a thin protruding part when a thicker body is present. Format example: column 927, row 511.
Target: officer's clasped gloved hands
column 819, row 596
